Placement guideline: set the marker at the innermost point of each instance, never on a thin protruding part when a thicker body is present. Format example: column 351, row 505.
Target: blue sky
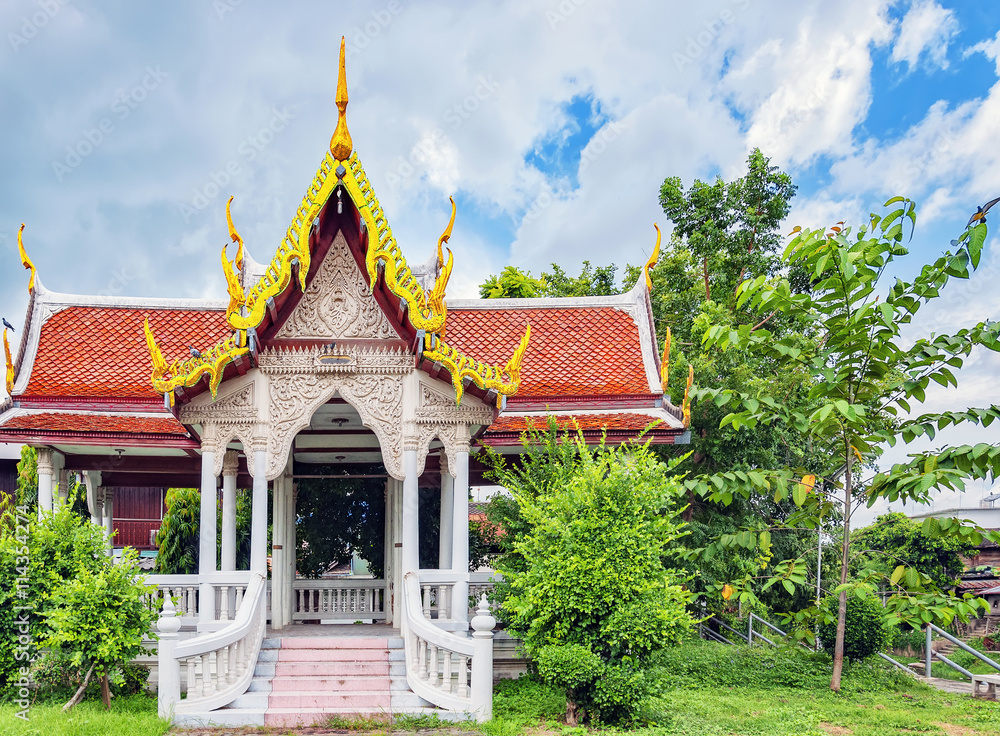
column 553, row 123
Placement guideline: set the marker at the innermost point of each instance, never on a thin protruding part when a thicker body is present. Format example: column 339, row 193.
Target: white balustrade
column 217, row 666
column 450, row 670
column 338, row 599
column 229, row 589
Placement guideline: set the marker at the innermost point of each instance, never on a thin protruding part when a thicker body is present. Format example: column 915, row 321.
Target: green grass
column 129, row 716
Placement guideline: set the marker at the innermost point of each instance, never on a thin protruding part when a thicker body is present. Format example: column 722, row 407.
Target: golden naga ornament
column 665, row 363
column 652, row 259
column 187, row 373
column 233, row 285
column 434, row 302
column 485, row 376
column 10, row 364
column 25, row 261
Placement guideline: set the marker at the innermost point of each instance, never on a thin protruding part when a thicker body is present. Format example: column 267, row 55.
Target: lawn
column 696, row 689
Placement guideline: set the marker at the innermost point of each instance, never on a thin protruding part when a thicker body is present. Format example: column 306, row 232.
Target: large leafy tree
column 866, row 381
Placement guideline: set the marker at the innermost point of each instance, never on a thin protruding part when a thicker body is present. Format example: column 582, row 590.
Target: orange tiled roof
column 573, row 351
column 101, row 351
column 66, row 422
column 618, row 421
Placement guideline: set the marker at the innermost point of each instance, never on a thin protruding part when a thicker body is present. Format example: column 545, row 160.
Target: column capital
column 462, row 438
column 260, row 438
column 230, row 462
column 45, row 460
column 444, row 462
column 209, row 433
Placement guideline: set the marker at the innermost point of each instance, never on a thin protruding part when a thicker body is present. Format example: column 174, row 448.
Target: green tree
column 865, row 630
column 866, row 381
column 178, row 540
column 895, row 539
column 98, row 618
column 512, row 283
column 588, row 532
column 27, row 477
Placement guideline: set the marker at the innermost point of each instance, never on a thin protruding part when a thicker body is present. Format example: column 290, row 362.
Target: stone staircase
column 303, row 681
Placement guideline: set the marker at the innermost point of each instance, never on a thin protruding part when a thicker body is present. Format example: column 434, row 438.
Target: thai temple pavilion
column 335, row 352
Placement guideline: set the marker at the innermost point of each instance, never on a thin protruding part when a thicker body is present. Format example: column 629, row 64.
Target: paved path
column 960, row 687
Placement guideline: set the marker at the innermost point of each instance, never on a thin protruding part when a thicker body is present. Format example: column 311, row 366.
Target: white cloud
column 926, row 27
column 989, row 47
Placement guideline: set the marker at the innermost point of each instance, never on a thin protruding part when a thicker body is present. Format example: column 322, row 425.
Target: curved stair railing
column 451, row 671
column 217, row 667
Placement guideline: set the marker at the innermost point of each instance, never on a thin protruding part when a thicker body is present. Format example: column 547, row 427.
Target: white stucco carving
column 337, row 303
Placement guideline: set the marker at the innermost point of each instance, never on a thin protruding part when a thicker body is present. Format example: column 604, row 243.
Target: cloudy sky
column 127, row 125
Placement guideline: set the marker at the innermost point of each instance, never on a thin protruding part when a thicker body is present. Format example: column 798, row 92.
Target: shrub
column 572, row 667
column 865, row 633
column 527, row 698
column 617, row 694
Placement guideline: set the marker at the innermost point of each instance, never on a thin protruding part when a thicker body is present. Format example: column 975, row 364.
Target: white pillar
column 482, row 662
column 230, row 466
column 95, row 496
column 168, row 686
column 207, row 531
column 44, row 480
column 411, row 510
column 258, row 511
column 460, row 537
column 278, row 568
column 290, row 542
column 447, row 515
column 109, row 518
column 63, row 488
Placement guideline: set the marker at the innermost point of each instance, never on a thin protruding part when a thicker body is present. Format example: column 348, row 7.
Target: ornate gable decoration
column 337, row 303
column 340, row 172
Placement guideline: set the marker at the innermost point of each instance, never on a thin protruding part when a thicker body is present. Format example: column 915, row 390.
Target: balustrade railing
column 229, row 589
column 339, row 599
column 216, row 667
column 450, row 670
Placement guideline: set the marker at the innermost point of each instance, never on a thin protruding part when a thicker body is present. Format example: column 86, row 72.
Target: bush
column 528, row 698
column 616, row 696
column 572, row 667
column 865, row 633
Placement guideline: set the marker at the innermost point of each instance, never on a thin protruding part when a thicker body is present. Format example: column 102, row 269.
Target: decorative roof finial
column 341, row 144
column 9, row 361
column 652, row 259
column 665, row 363
column 25, row 260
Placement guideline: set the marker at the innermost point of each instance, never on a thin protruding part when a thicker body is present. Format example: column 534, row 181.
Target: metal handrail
column 726, row 626
column 929, row 652
column 901, row 666
column 713, row 634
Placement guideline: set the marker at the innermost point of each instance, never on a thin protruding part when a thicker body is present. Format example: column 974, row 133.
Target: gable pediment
column 337, row 303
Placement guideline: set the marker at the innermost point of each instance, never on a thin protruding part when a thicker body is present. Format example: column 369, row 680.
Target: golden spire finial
column 25, row 260
column 653, row 258
column 341, row 144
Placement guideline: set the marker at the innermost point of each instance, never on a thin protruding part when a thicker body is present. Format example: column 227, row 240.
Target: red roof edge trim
column 89, row 404
column 98, row 439
column 591, row 436
column 620, row 401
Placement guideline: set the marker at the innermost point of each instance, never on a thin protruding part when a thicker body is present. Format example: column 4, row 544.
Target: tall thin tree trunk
column 838, row 652
column 78, row 695
column 106, row 691
column 704, row 265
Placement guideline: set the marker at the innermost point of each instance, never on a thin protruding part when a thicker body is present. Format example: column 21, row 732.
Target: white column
column 230, row 466
column 447, row 515
column 460, row 535
column 109, row 518
column 207, row 531
column 411, row 510
column 95, row 496
column 63, row 488
column 44, row 480
column 290, row 542
column 278, row 569
column 258, row 511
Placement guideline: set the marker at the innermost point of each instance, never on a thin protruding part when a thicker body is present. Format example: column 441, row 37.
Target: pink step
column 330, row 700
column 313, row 716
column 331, row 669
column 319, row 642
column 328, row 684
column 332, row 655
